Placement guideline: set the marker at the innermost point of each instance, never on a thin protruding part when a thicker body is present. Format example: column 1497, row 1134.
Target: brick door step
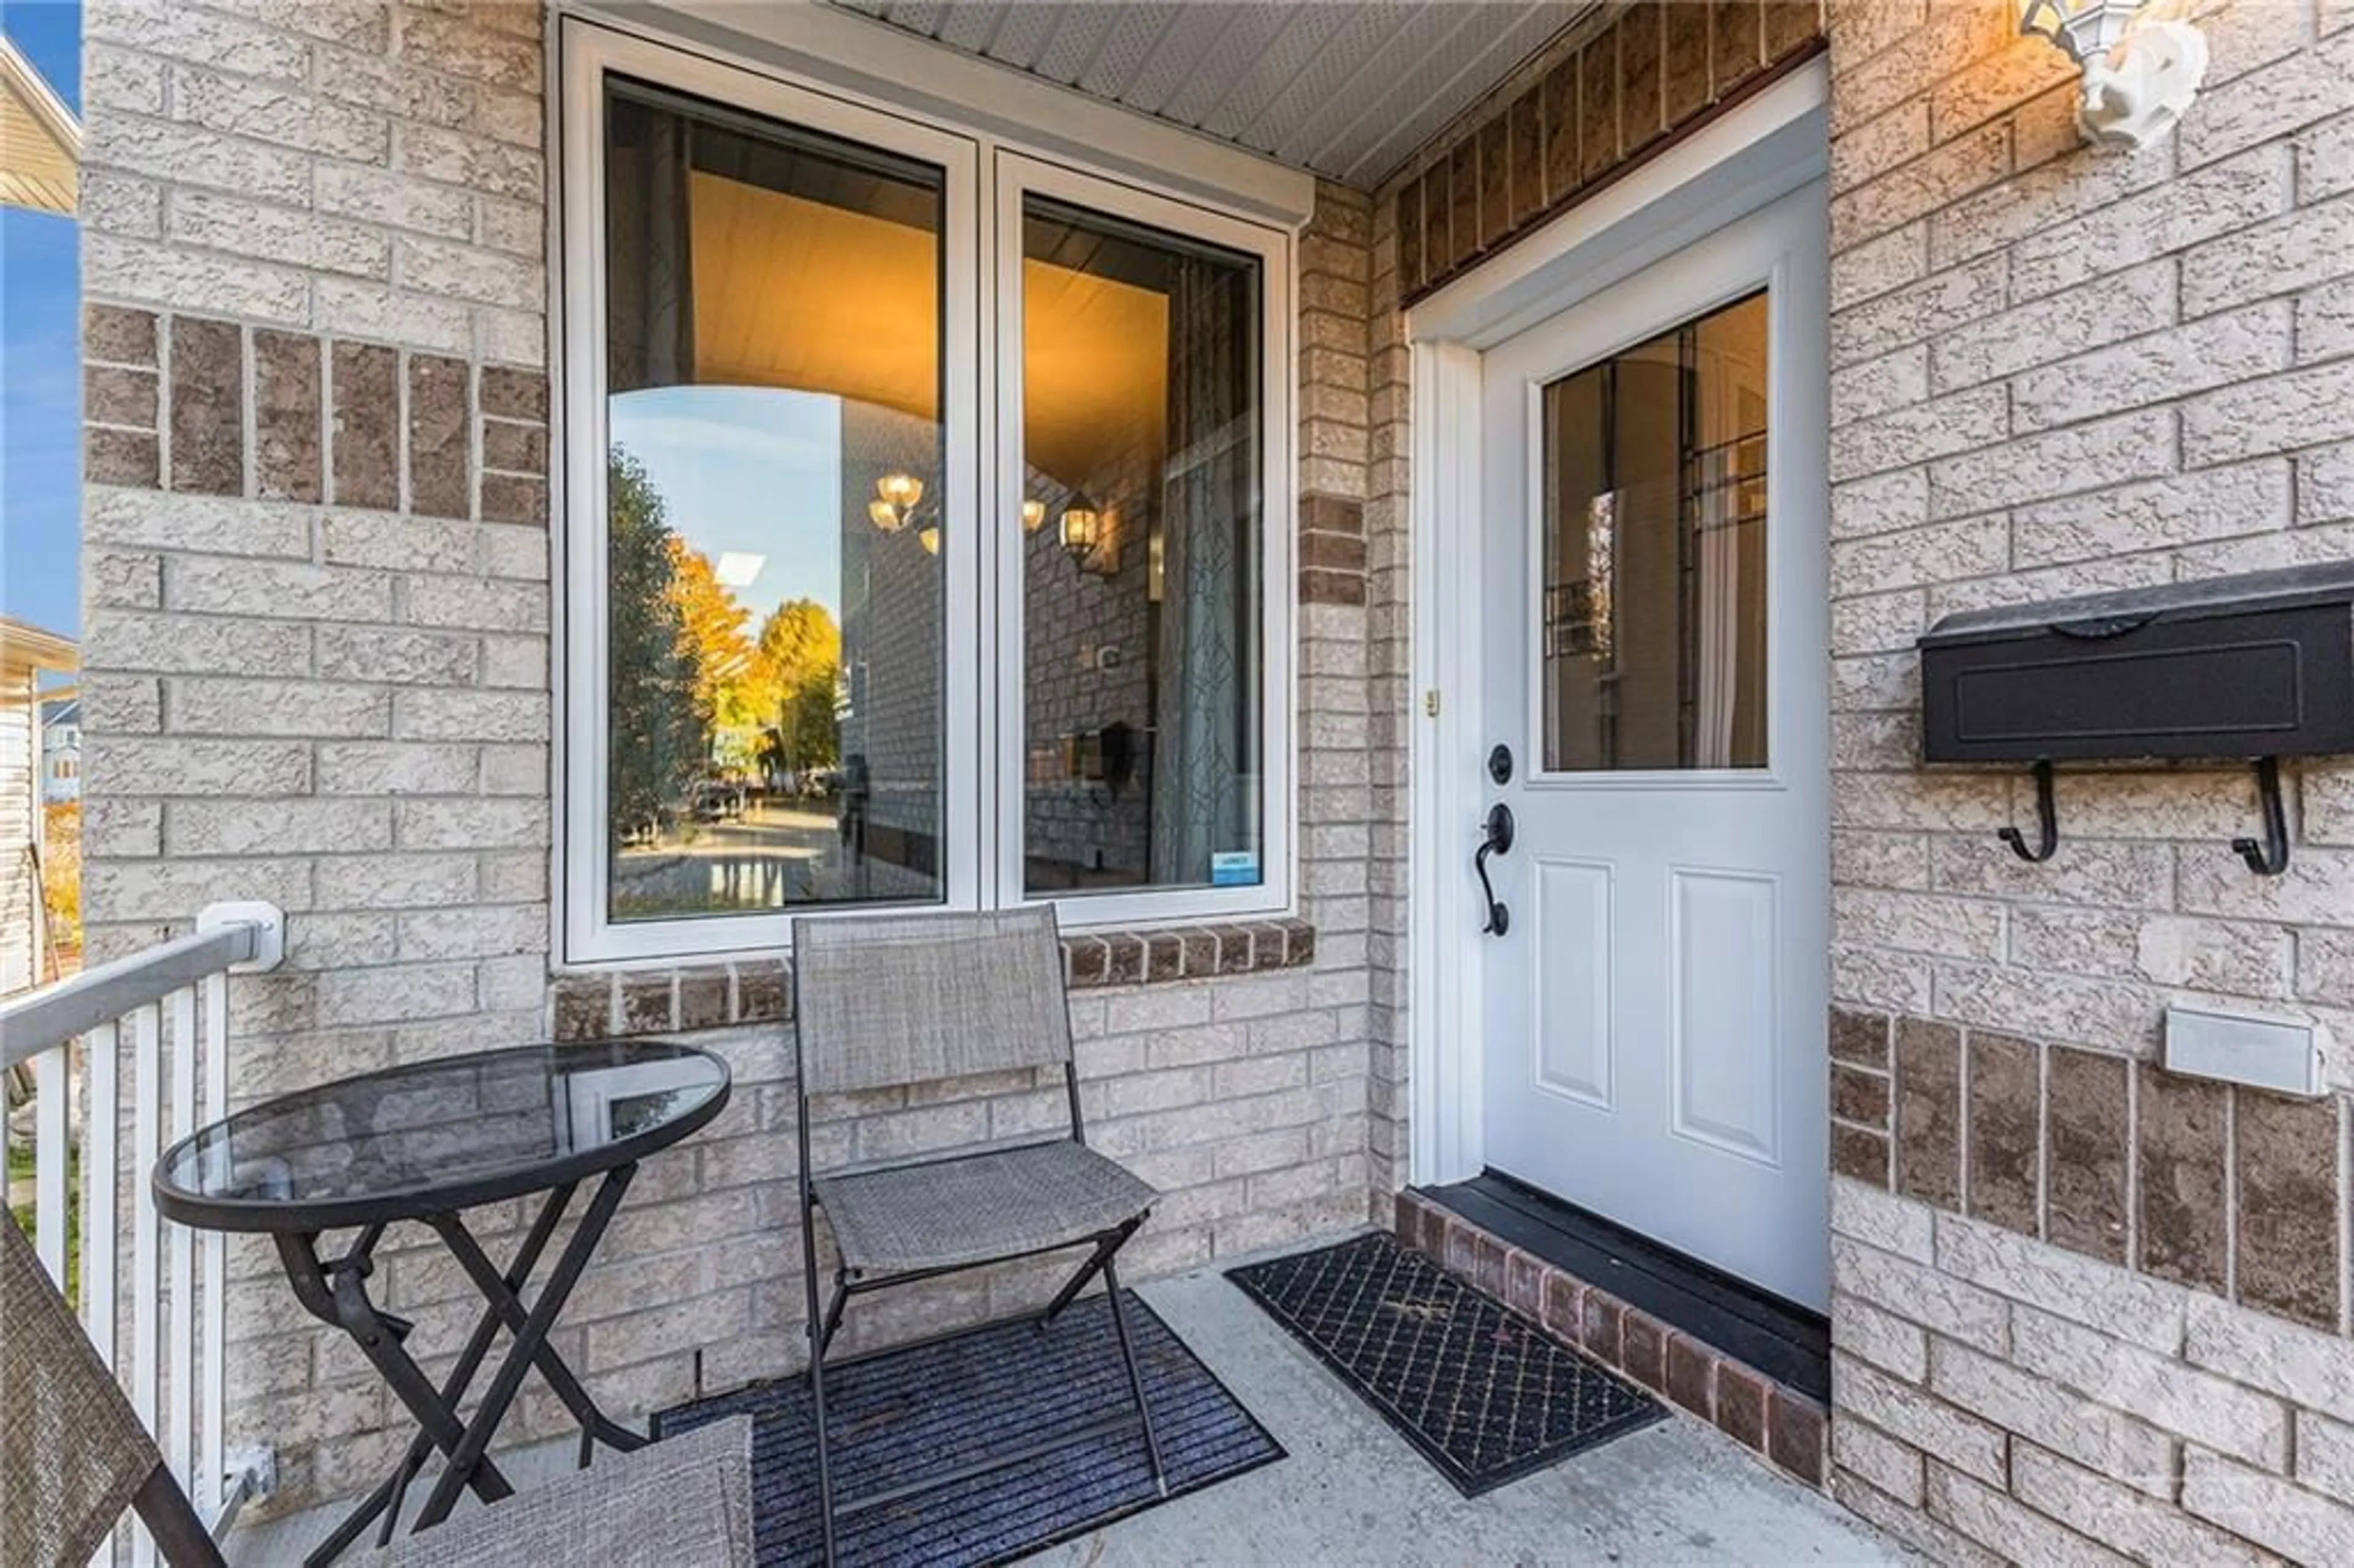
column 1784, row 1427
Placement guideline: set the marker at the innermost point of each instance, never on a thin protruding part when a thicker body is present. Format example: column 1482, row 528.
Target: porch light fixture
column 930, row 537
column 2142, row 62
column 1033, row 516
column 1082, row 529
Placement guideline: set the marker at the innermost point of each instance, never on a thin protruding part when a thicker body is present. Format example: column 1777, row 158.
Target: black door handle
column 1496, row 840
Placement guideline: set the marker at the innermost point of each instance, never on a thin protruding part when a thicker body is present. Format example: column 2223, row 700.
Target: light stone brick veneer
column 317, row 563
column 2082, row 1309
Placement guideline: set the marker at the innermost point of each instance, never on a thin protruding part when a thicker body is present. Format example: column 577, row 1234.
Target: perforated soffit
column 1348, row 90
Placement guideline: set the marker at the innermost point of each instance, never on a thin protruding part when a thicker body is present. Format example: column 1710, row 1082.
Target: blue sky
column 40, row 397
column 748, row 469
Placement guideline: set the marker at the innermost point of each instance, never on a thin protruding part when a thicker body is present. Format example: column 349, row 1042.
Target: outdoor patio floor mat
column 932, row 1406
column 1484, row 1395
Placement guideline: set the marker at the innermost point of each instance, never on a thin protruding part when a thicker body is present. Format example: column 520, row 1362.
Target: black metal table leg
column 471, row 1452
column 506, row 1306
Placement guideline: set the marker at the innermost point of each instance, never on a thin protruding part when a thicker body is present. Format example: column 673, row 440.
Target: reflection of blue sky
column 749, row 469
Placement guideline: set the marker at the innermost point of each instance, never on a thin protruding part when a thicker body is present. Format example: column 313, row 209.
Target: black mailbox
column 2259, row 666
column 2255, row 665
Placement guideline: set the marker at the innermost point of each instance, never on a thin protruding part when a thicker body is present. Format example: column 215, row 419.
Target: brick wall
column 2082, row 1305
column 317, row 672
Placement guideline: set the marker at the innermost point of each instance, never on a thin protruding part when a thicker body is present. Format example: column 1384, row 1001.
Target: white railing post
column 162, row 1017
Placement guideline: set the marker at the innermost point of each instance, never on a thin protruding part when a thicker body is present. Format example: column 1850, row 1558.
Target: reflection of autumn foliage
column 799, row 668
column 61, row 880
column 661, row 729
column 714, row 624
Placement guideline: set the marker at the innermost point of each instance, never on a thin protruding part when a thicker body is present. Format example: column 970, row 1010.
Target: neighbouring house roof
column 1350, row 92
column 40, row 140
column 59, row 711
column 23, row 646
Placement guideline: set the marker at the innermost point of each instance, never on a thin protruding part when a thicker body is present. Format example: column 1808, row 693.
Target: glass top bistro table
column 427, row 1142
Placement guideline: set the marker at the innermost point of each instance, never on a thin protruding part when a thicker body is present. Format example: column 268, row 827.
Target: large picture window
column 917, row 544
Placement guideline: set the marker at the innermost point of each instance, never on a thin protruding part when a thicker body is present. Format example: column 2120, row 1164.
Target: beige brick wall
column 317, row 669
column 2083, row 1309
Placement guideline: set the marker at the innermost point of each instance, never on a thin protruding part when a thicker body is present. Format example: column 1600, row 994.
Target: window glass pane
column 1652, row 651
column 775, row 630
column 1141, row 434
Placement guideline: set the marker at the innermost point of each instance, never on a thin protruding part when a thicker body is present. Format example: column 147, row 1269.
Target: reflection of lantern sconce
column 895, row 495
column 1033, row 516
column 2142, row 62
column 897, row 499
column 1083, row 537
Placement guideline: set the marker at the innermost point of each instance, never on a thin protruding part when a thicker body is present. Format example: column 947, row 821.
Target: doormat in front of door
column 931, row 1407
column 1481, row 1391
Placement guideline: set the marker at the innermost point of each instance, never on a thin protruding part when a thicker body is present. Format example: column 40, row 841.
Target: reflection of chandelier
column 1082, row 536
column 895, row 495
column 1033, row 516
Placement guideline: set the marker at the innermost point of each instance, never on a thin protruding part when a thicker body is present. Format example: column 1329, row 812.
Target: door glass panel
column 1652, row 647
column 775, row 628
column 1140, row 435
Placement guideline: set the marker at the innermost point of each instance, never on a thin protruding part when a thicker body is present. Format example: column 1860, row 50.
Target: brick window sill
column 670, row 999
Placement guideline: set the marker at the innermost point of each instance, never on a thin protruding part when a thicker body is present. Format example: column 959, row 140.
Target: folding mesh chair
column 73, row 1456
column 884, row 1003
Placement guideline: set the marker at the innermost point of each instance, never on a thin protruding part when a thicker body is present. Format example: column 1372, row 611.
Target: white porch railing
column 125, row 1058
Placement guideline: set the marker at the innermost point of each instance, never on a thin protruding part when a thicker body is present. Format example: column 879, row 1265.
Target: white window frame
column 1017, row 176
column 983, row 793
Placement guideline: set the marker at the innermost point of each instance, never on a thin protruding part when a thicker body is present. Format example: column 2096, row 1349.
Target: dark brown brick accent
column 2005, row 1142
column 513, row 447
column 1859, row 1037
column 2225, row 1188
column 1776, row 1423
column 207, row 417
column 1332, row 549
column 2182, row 1187
column 513, row 498
column 512, row 394
column 1929, row 1111
column 1741, row 1399
column 1620, row 88
column 121, row 457
column 582, row 1006
column 2287, row 1196
column 1860, row 1154
column 366, row 401
column 665, row 999
column 1495, row 182
column 764, row 993
column 289, row 434
column 1559, row 88
column 1737, row 43
column 1686, row 68
column 117, row 395
column 1797, row 1434
column 1642, row 98
column 2084, row 1135
column 1463, row 201
column 1692, row 1375
column 118, row 335
column 1525, row 121
column 703, row 999
column 1859, row 1097
column 1643, row 1350
column 439, row 426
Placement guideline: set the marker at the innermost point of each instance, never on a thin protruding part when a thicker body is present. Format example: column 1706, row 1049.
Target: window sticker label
column 1233, row 868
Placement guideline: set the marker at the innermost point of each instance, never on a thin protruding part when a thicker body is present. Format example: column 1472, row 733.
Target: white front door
column 1654, row 657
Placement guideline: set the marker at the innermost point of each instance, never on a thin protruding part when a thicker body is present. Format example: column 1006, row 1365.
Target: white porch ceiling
column 1348, row 89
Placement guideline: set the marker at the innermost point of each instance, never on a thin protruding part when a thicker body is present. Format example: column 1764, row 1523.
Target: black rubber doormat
column 942, row 1403
column 1484, row 1395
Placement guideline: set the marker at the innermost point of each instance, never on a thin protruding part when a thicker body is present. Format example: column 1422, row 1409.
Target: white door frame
column 1762, row 151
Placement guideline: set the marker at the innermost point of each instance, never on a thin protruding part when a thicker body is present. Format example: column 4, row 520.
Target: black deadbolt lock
column 1500, row 763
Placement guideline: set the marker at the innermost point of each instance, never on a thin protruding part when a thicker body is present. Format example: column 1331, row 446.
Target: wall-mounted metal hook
column 2047, row 820
column 2269, row 857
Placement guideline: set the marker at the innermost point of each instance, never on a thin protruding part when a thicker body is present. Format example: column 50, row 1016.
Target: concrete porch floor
column 1352, row 1491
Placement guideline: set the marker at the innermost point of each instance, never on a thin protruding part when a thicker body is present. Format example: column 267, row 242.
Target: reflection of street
column 778, row 852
